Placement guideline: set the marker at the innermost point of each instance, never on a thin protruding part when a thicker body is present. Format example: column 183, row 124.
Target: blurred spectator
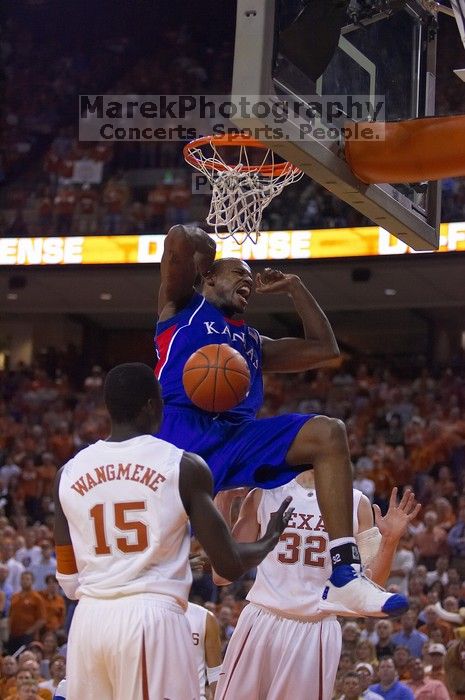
column 433, row 623
column 51, row 649
column 44, row 567
column 346, row 662
column 15, row 569
column 94, row 382
column 57, row 673
column 36, row 665
column 27, row 614
column 366, row 676
column 402, row 659
column 9, row 668
column 350, row 637
column 6, row 593
column 61, row 443
column 136, row 218
column 385, row 646
column 445, row 513
column 363, row 484
column 436, row 656
column 365, row 652
column 454, row 666
column 157, row 204
column 47, row 470
column 456, row 541
column 389, row 686
column 395, row 432
column 445, row 486
column 55, row 609
column 28, row 689
column 87, row 210
column 369, row 631
column 8, row 471
column 179, row 202
column 65, row 204
column 408, row 636
column 430, row 543
column 351, row 687
column 439, row 573
column 425, row 688
column 44, row 212
column 115, row 197
column 30, row 553
column 226, row 627
column 30, row 487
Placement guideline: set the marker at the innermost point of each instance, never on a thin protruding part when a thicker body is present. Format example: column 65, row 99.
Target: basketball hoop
column 241, row 190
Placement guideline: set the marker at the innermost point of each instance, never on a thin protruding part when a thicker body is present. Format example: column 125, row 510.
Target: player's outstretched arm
column 188, row 252
column 229, row 558
column 391, row 527
column 297, row 354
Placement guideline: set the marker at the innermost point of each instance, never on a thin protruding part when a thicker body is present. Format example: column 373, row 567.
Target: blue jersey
column 196, row 325
column 240, row 450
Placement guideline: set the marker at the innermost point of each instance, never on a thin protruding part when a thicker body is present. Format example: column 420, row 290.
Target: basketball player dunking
column 241, row 450
column 296, row 647
column 122, row 510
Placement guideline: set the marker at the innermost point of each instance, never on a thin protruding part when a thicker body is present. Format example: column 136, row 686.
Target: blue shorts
column 251, row 452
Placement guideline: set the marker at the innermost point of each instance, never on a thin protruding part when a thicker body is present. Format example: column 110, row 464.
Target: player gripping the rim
column 240, row 449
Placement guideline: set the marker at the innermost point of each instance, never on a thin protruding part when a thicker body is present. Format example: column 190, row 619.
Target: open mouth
column 244, row 292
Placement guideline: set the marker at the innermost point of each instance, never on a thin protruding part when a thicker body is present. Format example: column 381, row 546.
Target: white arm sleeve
column 368, row 543
column 69, row 584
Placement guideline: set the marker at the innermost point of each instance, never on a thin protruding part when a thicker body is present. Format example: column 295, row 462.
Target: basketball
column 216, row 378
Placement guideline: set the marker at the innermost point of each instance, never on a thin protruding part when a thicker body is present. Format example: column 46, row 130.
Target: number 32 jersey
column 291, row 578
column 128, row 526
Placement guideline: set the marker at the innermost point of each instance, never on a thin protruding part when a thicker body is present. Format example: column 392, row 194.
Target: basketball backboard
column 385, row 62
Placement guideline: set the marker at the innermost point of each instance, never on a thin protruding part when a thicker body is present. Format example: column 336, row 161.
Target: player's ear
column 208, row 279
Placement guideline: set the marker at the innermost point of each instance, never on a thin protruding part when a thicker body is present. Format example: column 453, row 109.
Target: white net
column 241, row 191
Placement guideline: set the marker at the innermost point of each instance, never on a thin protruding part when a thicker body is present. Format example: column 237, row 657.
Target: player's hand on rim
column 279, row 520
column 272, row 281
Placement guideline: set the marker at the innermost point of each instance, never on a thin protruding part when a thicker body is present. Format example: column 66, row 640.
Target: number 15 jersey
column 291, row 578
column 128, row 526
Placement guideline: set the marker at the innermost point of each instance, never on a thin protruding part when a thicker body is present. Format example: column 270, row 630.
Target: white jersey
column 291, row 578
column 197, row 618
column 128, row 526
column 60, row 692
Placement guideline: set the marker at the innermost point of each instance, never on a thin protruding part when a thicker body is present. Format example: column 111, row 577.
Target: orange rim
column 234, row 140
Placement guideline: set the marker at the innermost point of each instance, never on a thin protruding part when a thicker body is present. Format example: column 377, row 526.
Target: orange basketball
column 216, row 378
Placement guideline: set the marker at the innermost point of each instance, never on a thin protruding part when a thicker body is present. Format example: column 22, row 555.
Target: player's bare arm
column 392, row 527
column 61, row 529
column 188, row 252
column 66, row 561
column 224, row 501
column 297, row 354
column 213, row 657
column 246, row 527
column 228, row 557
